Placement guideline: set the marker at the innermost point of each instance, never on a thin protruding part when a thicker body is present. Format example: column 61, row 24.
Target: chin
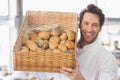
column 90, row 40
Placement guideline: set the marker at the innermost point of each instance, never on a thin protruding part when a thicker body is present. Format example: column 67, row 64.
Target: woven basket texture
column 44, row 61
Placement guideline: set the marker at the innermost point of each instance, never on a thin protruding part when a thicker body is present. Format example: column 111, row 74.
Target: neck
column 81, row 43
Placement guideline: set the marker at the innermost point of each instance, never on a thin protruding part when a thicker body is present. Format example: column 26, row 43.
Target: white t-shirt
column 96, row 63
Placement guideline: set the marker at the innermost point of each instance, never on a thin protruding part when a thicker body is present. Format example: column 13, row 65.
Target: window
column 110, row 8
column 56, row 5
column 4, row 45
column 4, row 8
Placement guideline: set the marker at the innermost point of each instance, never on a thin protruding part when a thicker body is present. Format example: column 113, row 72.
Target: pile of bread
column 55, row 39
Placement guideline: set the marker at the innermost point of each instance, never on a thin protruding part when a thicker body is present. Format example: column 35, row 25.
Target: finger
column 75, row 62
column 67, row 69
column 68, row 74
column 77, row 65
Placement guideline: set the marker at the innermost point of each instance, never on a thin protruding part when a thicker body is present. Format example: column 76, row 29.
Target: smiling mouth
column 88, row 34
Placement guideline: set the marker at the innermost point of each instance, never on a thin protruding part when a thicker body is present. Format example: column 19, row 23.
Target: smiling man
column 93, row 61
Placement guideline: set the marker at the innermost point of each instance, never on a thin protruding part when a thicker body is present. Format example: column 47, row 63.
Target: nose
column 89, row 28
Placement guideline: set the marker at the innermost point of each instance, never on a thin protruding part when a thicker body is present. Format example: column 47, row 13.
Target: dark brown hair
column 93, row 9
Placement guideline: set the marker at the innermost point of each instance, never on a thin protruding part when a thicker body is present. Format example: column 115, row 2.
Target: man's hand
column 73, row 74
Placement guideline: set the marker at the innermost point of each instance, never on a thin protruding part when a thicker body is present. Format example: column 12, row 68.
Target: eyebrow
column 92, row 23
column 88, row 21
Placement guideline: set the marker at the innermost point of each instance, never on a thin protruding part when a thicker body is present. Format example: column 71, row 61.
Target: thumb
column 77, row 65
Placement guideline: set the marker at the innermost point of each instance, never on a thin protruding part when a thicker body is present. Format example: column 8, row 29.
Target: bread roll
column 40, row 50
column 45, row 44
column 70, row 34
column 56, row 50
column 63, row 36
column 70, row 44
column 62, row 47
column 42, row 43
column 31, row 45
column 62, row 42
column 24, row 49
column 44, row 35
column 49, row 50
column 53, row 42
column 39, row 42
column 25, row 37
column 56, row 31
column 5, row 73
column 33, row 36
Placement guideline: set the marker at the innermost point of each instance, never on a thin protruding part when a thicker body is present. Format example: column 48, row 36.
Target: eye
column 85, row 23
column 95, row 25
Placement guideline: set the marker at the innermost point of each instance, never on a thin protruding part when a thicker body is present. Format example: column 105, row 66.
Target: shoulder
column 106, row 58
column 107, row 63
column 104, row 52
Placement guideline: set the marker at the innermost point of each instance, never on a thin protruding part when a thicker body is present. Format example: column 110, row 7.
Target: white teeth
column 88, row 34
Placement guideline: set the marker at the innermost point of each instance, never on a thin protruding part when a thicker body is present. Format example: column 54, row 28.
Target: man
column 93, row 62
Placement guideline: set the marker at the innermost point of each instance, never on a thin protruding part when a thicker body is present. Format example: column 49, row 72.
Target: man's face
column 90, row 27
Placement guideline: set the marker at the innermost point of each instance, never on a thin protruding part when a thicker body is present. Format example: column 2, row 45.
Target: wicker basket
column 44, row 61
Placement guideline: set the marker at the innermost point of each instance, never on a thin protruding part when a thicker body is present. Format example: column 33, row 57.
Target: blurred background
column 12, row 14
